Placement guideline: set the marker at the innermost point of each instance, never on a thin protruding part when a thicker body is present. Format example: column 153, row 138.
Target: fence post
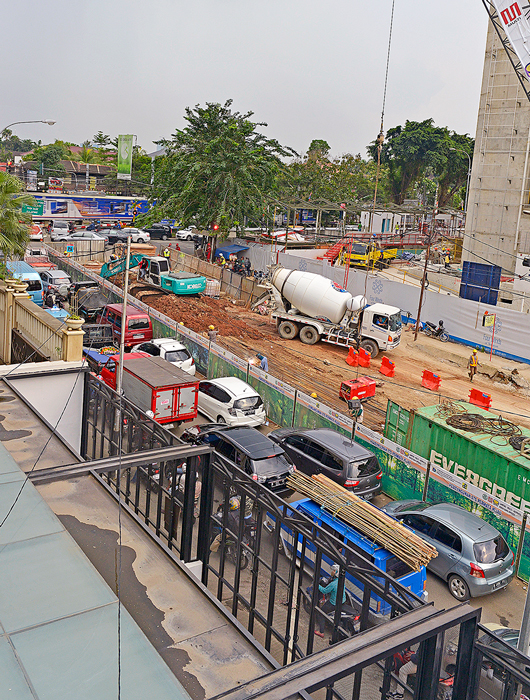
column 519, row 552
column 426, row 485
column 294, row 407
column 8, row 325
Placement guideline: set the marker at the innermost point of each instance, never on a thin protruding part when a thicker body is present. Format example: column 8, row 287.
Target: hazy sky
column 309, row 69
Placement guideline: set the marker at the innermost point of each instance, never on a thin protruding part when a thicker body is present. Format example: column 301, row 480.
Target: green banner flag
column 125, row 153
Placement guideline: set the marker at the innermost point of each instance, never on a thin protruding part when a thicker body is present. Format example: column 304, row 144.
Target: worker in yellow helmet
column 212, row 333
column 314, row 395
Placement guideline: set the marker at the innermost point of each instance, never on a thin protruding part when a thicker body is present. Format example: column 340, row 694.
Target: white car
column 185, row 235
column 58, row 229
column 232, row 401
column 35, row 233
column 170, row 350
column 82, row 236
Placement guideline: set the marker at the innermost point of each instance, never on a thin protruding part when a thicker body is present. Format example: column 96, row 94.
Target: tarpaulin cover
column 228, row 250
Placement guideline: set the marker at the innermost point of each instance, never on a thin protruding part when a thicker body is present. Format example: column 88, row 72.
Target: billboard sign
column 55, row 184
column 125, row 153
column 514, row 18
column 31, row 180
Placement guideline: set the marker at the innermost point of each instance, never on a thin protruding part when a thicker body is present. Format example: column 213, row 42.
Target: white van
column 59, row 228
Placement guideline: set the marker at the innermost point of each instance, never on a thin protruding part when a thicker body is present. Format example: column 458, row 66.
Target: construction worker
column 221, row 261
column 263, row 362
column 447, row 260
column 472, row 364
column 212, row 333
column 314, row 395
column 166, row 253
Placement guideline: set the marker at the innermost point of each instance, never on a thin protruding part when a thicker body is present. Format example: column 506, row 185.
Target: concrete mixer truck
column 315, row 308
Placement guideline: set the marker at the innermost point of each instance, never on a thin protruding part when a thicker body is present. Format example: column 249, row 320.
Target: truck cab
column 380, row 325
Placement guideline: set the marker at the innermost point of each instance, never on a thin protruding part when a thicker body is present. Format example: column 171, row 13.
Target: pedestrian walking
column 472, row 364
column 409, row 668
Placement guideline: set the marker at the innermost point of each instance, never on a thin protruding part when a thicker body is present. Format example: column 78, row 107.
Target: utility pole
column 430, row 239
column 119, row 379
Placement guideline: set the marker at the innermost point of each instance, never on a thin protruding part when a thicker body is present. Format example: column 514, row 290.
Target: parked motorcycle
column 230, row 544
column 434, row 331
column 350, row 612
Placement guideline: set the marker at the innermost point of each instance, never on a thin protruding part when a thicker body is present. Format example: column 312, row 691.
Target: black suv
column 159, row 231
column 248, row 449
column 328, row 452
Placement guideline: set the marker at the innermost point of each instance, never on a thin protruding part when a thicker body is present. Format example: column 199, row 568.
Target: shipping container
column 486, row 461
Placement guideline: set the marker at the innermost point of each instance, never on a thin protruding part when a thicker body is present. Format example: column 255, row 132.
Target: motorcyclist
column 234, row 515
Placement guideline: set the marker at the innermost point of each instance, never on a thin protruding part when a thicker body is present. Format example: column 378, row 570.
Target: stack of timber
column 365, row 518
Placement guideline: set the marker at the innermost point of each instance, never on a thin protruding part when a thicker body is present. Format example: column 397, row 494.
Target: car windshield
column 275, row 464
column 364, row 467
column 247, row 403
column 138, row 324
column 177, row 355
column 394, row 322
column 490, row 551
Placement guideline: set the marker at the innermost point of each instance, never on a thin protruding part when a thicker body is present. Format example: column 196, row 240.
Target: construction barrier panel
column 222, row 363
column 198, row 347
column 478, row 398
column 353, row 357
column 277, row 396
column 387, row 367
column 310, row 413
column 364, row 358
column 430, row 380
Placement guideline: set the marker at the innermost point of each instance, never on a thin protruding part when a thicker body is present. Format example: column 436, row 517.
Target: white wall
column 48, row 395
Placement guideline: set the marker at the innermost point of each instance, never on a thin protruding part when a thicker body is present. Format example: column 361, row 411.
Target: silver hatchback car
column 473, row 557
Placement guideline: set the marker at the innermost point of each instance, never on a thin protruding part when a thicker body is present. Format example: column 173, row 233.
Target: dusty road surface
column 320, row 368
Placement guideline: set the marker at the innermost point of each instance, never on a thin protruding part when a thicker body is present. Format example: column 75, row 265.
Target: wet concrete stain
column 6, row 435
column 101, row 548
column 503, row 621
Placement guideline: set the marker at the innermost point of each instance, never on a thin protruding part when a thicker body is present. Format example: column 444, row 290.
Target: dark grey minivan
column 328, row 452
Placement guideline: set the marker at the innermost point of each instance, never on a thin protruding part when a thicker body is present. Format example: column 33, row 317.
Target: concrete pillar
column 498, row 214
column 8, row 324
column 72, row 345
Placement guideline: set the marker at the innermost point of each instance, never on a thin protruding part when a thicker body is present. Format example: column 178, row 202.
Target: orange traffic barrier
column 430, row 380
column 353, row 357
column 387, row 367
column 364, row 358
column 477, row 398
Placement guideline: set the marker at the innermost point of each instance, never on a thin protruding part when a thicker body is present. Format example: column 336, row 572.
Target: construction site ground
column 320, row 368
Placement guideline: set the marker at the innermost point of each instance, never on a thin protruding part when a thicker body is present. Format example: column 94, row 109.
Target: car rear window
column 34, row 285
column 177, row 355
column 248, row 402
column 364, row 467
column 490, row 551
column 138, row 324
column 275, row 464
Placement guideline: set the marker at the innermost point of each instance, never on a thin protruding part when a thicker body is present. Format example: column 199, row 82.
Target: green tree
column 218, row 169
column 101, row 140
column 87, row 155
column 48, row 158
column 318, row 148
column 452, row 171
column 407, row 152
column 14, row 224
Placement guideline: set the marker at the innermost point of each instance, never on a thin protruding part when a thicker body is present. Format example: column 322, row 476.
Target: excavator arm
column 117, row 266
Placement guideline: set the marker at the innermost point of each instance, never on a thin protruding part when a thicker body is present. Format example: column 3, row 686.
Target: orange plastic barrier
column 430, row 380
column 477, row 398
column 364, row 358
column 387, row 367
column 353, row 357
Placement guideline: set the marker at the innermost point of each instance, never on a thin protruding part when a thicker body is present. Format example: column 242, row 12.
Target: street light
column 461, row 150
column 50, row 122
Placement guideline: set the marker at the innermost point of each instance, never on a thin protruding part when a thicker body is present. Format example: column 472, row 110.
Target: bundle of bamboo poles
column 365, row 518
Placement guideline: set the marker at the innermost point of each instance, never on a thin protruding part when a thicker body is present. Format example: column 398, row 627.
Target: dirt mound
column 197, row 313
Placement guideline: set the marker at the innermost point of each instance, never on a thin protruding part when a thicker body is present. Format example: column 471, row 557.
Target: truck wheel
column 371, row 347
column 288, row 330
column 309, row 335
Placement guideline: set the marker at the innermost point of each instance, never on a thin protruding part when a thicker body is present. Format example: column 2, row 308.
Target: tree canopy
column 14, row 224
column 218, row 170
column 421, row 149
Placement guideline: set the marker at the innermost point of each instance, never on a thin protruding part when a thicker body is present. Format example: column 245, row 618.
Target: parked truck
column 315, row 308
column 155, row 385
column 158, row 273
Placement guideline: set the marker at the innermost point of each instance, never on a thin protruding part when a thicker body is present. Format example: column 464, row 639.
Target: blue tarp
column 228, row 250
